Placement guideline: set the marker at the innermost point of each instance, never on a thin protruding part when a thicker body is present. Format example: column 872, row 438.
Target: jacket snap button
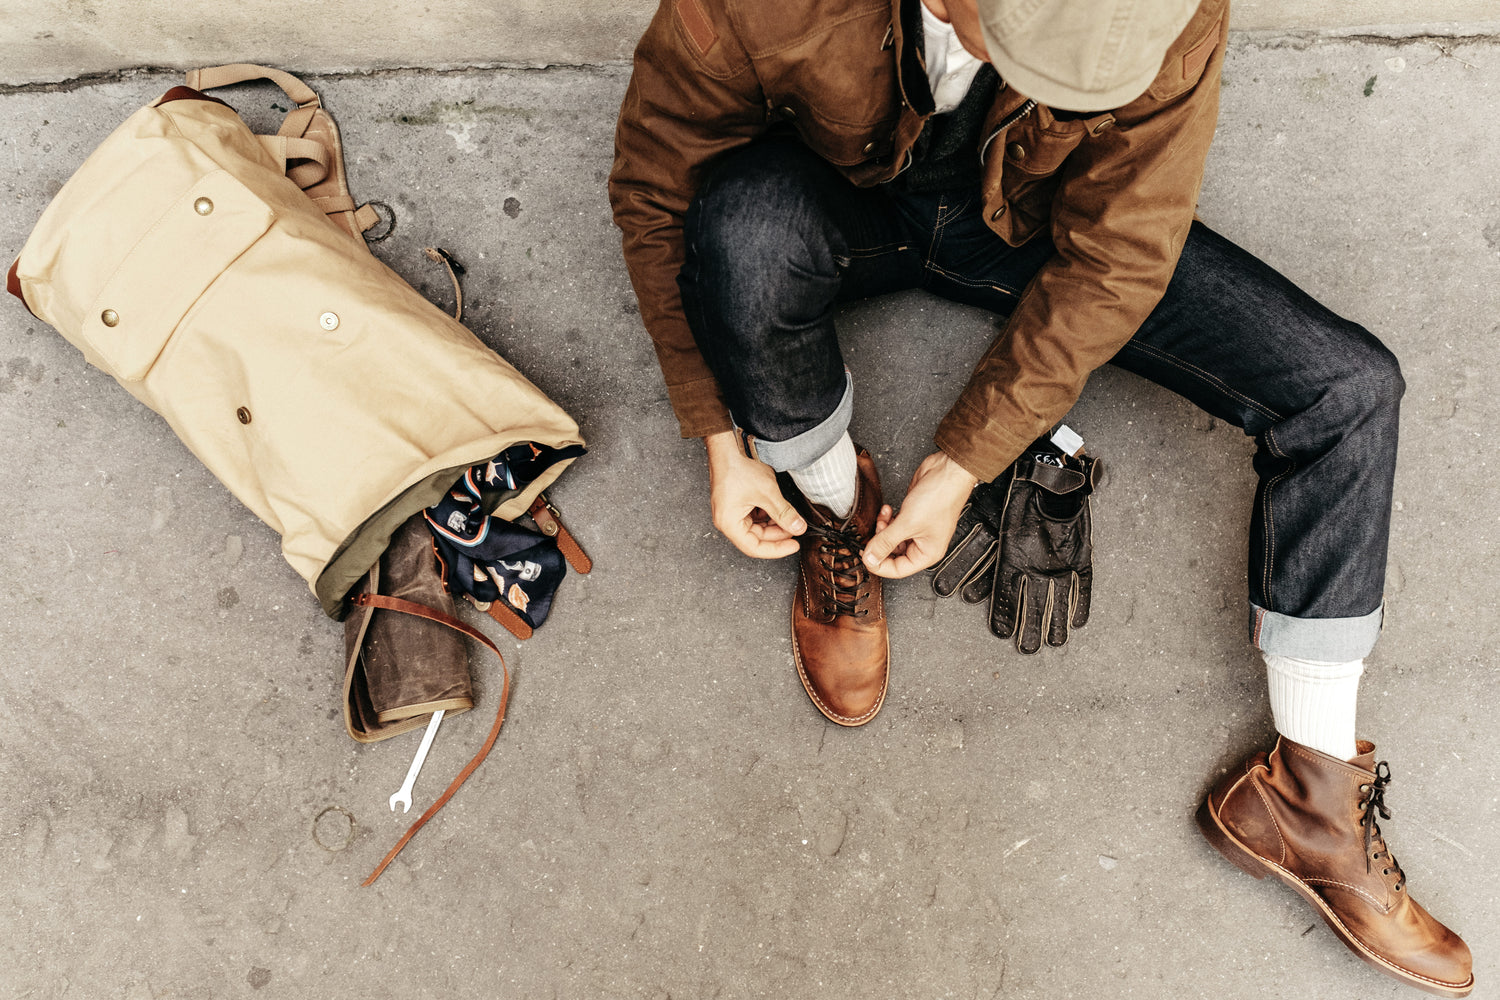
column 870, row 148
column 109, row 318
column 1016, row 151
column 203, row 206
column 995, row 215
column 787, row 112
column 889, row 39
column 1101, row 126
column 243, row 415
column 329, row 321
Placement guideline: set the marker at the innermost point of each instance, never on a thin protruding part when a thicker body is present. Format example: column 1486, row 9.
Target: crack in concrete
column 130, row 73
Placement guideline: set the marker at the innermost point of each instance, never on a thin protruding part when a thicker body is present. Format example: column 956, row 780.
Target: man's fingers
column 785, row 515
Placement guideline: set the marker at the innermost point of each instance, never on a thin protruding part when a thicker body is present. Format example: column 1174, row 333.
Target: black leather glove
column 1024, row 543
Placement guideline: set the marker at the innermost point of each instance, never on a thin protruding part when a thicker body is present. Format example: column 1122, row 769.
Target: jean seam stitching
column 940, row 222
column 1269, row 508
column 970, row 282
column 876, row 251
column 1208, row 378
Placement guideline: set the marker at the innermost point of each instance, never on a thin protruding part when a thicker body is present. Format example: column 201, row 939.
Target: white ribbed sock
column 1313, row 701
column 830, row 479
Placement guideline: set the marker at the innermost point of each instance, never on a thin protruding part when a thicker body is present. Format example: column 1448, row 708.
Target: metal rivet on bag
column 329, row 321
column 109, row 318
column 203, row 206
column 243, row 415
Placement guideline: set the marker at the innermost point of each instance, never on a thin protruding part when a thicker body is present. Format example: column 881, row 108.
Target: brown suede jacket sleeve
column 1125, row 197
column 693, row 96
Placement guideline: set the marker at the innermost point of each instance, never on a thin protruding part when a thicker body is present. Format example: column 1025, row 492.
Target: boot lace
column 1373, row 804
column 839, row 553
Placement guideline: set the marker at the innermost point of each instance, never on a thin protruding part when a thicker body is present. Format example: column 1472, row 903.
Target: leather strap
column 514, row 623
column 548, row 518
column 186, row 94
column 422, row 611
column 13, row 283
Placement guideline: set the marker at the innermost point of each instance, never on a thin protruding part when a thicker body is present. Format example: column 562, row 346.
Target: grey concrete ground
column 665, row 815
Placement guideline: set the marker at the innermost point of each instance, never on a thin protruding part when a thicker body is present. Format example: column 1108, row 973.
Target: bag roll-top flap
column 157, row 283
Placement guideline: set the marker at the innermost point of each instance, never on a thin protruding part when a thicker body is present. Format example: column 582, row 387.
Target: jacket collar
column 911, row 71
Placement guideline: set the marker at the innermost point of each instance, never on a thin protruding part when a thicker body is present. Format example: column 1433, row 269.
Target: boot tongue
column 1365, row 758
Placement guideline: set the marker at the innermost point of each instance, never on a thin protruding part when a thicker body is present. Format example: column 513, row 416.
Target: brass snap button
column 870, row 148
column 889, row 39
column 109, row 318
column 329, row 321
column 1102, row 126
column 1016, row 151
column 203, row 206
column 787, row 112
column 995, row 216
column 243, row 415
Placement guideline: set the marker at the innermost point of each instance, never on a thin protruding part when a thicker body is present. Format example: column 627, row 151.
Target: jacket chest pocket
column 1024, row 164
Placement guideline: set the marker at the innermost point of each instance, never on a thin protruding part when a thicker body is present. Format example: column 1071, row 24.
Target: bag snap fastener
column 109, row 318
column 203, row 206
column 243, row 415
column 329, row 321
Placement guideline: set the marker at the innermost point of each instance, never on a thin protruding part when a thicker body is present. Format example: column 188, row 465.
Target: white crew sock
column 830, row 480
column 1313, row 702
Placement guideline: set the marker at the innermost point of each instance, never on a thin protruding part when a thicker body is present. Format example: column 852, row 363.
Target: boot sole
column 1258, row 867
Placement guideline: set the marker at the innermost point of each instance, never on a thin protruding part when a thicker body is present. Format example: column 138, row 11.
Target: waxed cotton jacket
column 1116, row 190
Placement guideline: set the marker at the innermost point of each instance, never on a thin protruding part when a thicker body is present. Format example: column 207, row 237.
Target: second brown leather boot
column 1310, row 820
column 838, row 616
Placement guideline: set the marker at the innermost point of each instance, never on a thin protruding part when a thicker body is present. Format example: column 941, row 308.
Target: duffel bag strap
column 422, row 611
column 307, row 145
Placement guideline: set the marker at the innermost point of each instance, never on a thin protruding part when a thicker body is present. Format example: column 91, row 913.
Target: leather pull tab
column 548, row 518
column 514, row 623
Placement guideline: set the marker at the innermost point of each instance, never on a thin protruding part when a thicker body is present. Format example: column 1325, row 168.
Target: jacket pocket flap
column 167, row 270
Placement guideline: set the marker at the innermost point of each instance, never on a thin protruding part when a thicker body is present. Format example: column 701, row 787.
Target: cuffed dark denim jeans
column 776, row 238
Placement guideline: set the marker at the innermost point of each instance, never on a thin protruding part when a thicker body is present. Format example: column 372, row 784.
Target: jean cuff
column 1331, row 640
column 811, row 445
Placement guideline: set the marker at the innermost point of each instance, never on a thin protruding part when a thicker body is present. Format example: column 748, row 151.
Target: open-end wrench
column 404, row 796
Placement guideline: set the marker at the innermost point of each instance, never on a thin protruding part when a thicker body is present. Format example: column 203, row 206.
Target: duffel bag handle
column 307, row 145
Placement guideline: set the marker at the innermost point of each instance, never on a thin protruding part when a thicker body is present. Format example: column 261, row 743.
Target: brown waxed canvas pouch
column 400, row 667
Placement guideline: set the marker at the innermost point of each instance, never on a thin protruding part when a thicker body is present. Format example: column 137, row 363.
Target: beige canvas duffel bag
column 235, row 298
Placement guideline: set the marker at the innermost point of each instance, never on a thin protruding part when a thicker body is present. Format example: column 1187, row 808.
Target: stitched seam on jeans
column 939, row 222
column 1210, row 379
column 876, row 251
column 1269, row 507
column 971, row 283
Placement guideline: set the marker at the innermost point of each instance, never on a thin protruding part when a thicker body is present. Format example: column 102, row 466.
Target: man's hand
column 747, row 504
column 918, row 536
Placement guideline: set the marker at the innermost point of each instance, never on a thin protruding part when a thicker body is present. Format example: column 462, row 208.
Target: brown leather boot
column 1310, row 820
column 838, row 616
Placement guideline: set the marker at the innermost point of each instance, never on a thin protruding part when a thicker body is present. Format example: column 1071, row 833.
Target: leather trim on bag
column 13, row 284
column 187, row 94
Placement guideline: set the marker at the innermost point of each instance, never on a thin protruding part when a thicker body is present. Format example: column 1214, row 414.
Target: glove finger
column 1065, row 592
column 978, row 584
column 965, row 556
column 1005, row 603
column 1035, row 609
column 1085, row 592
